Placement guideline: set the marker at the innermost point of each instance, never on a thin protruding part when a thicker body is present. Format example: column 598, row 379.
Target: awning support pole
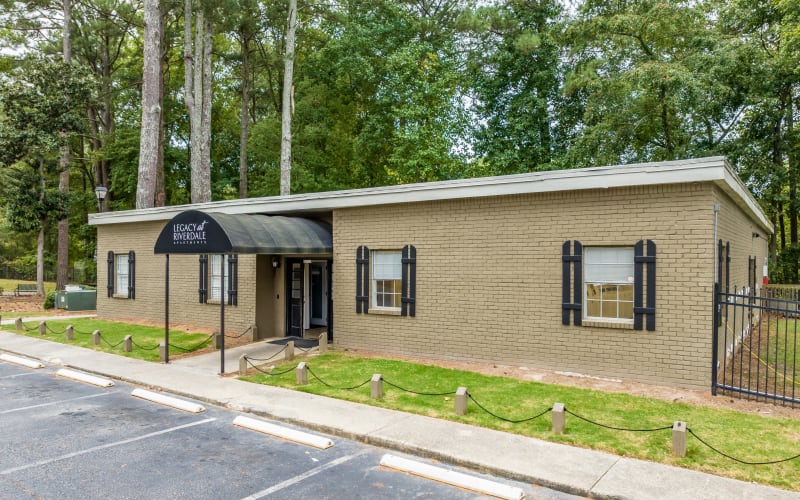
column 166, row 310
column 222, row 316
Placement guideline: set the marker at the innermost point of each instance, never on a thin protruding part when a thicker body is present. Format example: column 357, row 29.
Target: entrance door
column 295, row 293
column 318, row 293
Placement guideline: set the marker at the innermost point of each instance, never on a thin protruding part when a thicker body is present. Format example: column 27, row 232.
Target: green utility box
column 77, row 300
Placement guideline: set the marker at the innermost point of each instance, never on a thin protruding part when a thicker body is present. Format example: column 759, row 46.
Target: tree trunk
column 205, row 132
column 286, row 105
column 63, row 179
column 151, row 110
column 196, row 114
column 40, row 239
column 245, row 114
column 160, row 195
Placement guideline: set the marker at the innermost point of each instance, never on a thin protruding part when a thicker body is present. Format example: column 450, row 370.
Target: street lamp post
column 100, row 192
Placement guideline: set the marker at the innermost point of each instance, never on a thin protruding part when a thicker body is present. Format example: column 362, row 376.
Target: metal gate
column 755, row 343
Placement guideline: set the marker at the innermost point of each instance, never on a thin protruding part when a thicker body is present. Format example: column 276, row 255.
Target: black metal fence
column 755, row 343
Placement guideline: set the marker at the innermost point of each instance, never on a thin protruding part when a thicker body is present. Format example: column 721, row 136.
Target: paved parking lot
column 66, row 439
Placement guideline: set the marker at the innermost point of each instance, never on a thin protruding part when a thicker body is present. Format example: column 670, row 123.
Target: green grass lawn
column 145, row 338
column 747, row 437
column 11, row 285
column 782, row 346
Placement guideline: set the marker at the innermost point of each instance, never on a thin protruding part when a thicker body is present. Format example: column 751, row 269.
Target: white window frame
column 608, row 270
column 122, row 269
column 386, row 272
column 215, row 263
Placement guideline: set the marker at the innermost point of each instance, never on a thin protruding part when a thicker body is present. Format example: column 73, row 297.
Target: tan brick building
column 602, row 271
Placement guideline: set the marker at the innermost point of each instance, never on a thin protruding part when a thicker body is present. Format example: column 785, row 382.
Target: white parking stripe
column 305, row 475
column 103, row 447
column 20, row 375
column 23, row 408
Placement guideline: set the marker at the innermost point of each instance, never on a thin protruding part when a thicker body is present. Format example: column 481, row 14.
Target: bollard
column 679, row 439
column 18, row 324
column 323, row 342
column 128, row 343
column 96, row 337
column 162, row 352
column 288, row 353
column 253, row 332
column 302, row 374
column 461, row 401
column 242, row 366
column 217, row 341
column 42, row 327
column 70, row 332
column 559, row 421
column 376, row 386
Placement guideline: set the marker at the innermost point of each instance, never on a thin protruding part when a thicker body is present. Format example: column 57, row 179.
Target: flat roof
column 713, row 169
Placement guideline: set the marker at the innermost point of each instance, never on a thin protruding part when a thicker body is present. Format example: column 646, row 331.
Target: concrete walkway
column 570, row 469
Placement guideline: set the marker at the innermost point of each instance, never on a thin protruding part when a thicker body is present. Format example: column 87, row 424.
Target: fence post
column 375, row 386
column 128, row 344
column 96, row 337
column 323, row 342
column 18, row 324
column 70, row 332
column 679, row 439
column 715, row 340
column 461, row 400
column 253, row 332
column 242, row 365
column 302, row 373
column 289, row 352
column 217, row 341
column 559, row 420
column 42, row 327
column 162, row 352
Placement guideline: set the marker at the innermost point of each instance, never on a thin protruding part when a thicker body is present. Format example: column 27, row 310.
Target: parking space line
column 23, row 408
column 305, row 475
column 103, row 447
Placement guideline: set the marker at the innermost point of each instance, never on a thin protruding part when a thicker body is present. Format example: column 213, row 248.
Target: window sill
column 120, row 296
column 385, row 312
column 601, row 323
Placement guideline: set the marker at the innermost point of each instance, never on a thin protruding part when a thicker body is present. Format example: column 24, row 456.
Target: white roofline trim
column 711, row 169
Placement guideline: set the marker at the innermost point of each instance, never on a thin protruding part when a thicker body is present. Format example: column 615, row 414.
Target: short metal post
column 302, row 374
column 323, row 342
column 70, row 332
column 289, row 352
column 559, row 421
column 96, row 337
column 376, row 386
column 162, row 352
column 18, row 324
column 461, row 401
column 42, row 327
column 679, row 439
column 242, row 366
column 127, row 345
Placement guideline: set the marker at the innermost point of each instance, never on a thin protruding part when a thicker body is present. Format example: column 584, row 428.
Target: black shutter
column 647, row 312
column 727, row 265
column 577, row 288
column 110, row 282
column 233, row 280
column 203, row 274
column 720, row 250
column 362, row 279
column 409, row 280
column 131, row 274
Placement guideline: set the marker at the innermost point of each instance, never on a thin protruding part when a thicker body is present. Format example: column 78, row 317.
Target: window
column 121, row 286
column 386, row 280
column 216, row 278
column 608, row 283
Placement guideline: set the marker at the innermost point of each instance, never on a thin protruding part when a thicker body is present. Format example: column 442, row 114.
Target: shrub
column 50, row 300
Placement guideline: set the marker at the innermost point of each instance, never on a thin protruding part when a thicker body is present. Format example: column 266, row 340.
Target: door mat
column 298, row 342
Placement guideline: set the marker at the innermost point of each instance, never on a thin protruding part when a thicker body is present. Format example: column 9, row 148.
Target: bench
column 23, row 288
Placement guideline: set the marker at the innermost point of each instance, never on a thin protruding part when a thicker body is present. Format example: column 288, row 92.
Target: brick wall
column 489, row 280
column 149, row 303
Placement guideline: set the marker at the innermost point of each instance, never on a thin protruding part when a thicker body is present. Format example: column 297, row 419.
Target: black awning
column 196, row 232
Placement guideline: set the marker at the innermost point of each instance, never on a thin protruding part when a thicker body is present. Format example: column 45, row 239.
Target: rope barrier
column 241, row 334
column 267, row 372
column 144, row 348
column 419, row 393
column 269, row 358
column 334, row 387
column 184, row 349
column 616, row 428
column 512, row 421
column 109, row 344
column 745, row 462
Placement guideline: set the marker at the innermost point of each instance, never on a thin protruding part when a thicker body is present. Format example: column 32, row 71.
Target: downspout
column 714, row 305
column 714, row 243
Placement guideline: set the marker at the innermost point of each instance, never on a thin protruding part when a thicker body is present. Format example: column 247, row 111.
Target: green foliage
column 50, row 300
